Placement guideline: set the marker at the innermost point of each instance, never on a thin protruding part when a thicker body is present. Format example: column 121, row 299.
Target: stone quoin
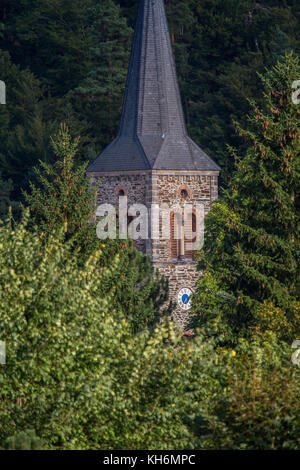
column 153, row 160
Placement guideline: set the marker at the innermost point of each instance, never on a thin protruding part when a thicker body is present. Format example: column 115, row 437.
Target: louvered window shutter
column 189, row 229
column 174, row 242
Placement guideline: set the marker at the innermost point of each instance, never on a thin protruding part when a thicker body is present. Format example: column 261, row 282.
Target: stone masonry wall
column 134, row 186
column 163, row 188
column 201, row 188
column 166, row 190
column 180, row 274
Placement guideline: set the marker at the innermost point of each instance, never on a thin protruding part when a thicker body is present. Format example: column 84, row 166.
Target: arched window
column 184, row 193
column 181, row 237
column 175, row 227
column 190, row 230
column 120, row 191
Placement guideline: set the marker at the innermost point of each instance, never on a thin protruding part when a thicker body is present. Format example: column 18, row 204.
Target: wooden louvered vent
column 189, row 229
column 174, row 242
column 178, row 249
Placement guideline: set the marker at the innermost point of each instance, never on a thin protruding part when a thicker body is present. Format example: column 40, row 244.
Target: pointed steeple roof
column 152, row 133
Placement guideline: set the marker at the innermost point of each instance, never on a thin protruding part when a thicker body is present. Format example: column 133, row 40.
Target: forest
column 93, row 361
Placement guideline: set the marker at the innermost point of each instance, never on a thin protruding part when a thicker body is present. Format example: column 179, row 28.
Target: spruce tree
column 99, row 93
column 50, row 38
column 232, row 40
column 65, row 198
column 251, row 251
column 24, row 127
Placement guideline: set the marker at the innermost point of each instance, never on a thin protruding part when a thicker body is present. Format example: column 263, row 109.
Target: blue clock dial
column 184, row 298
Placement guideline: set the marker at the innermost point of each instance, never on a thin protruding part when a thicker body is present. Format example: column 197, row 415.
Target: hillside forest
column 92, row 359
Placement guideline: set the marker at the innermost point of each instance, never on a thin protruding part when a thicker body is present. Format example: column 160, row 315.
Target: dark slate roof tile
column 152, row 132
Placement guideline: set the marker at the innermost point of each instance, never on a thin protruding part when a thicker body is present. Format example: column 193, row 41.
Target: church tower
column 152, row 160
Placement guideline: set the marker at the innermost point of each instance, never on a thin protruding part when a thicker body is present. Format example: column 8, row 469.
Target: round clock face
column 184, row 298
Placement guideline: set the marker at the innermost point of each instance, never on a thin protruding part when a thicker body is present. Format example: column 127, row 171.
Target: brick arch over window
column 121, row 191
column 184, row 193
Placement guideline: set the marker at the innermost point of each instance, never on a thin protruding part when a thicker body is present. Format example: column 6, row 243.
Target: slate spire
column 152, row 132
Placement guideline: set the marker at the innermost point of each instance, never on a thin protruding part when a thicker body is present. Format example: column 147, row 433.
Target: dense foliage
column 24, row 440
column 251, row 254
column 66, row 61
column 77, row 374
column 65, row 198
column 74, row 369
column 91, row 362
column 255, row 403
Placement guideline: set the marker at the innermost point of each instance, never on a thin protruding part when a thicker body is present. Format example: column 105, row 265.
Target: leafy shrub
column 74, row 370
column 24, row 440
column 257, row 405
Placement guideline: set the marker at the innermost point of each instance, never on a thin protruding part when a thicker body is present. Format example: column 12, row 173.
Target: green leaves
column 64, row 200
column 259, row 408
column 75, row 372
column 26, row 440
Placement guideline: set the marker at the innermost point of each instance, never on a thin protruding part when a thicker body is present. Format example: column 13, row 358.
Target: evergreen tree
column 24, row 131
column 232, row 41
column 51, row 38
column 5, row 194
column 64, row 56
column 182, row 20
column 99, row 94
column 65, row 198
column 251, row 252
